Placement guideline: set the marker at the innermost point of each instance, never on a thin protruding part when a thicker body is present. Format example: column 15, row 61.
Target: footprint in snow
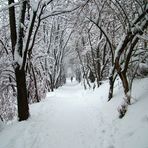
column 111, row 146
column 103, row 131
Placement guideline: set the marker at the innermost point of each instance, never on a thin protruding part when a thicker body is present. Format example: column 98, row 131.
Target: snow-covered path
column 71, row 117
column 64, row 120
column 71, row 122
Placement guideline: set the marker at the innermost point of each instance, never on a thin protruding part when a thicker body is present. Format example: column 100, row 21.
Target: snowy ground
column 71, row 117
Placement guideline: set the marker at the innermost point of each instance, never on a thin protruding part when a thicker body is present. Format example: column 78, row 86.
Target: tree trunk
column 111, row 88
column 51, row 82
column 35, row 85
column 22, row 101
column 12, row 86
column 23, row 108
column 1, row 118
column 112, row 79
column 12, row 25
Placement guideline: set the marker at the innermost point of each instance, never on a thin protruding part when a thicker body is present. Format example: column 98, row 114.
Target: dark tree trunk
column 112, row 79
column 111, row 88
column 23, row 109
column 98, row 66
column 22, row 101
column 1, row 118
column 12, row 25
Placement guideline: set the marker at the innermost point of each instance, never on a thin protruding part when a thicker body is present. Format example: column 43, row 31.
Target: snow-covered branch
column 58, row 12
column 11, row 5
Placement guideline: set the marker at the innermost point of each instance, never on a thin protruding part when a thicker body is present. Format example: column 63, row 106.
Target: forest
column 98, row 40
column 73, row 73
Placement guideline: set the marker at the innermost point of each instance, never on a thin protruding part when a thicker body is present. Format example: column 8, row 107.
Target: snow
column 143, row 37
column 3, row 8
column 34, row 4
column 17, row 58
column 120, row 45
column 72, row 117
